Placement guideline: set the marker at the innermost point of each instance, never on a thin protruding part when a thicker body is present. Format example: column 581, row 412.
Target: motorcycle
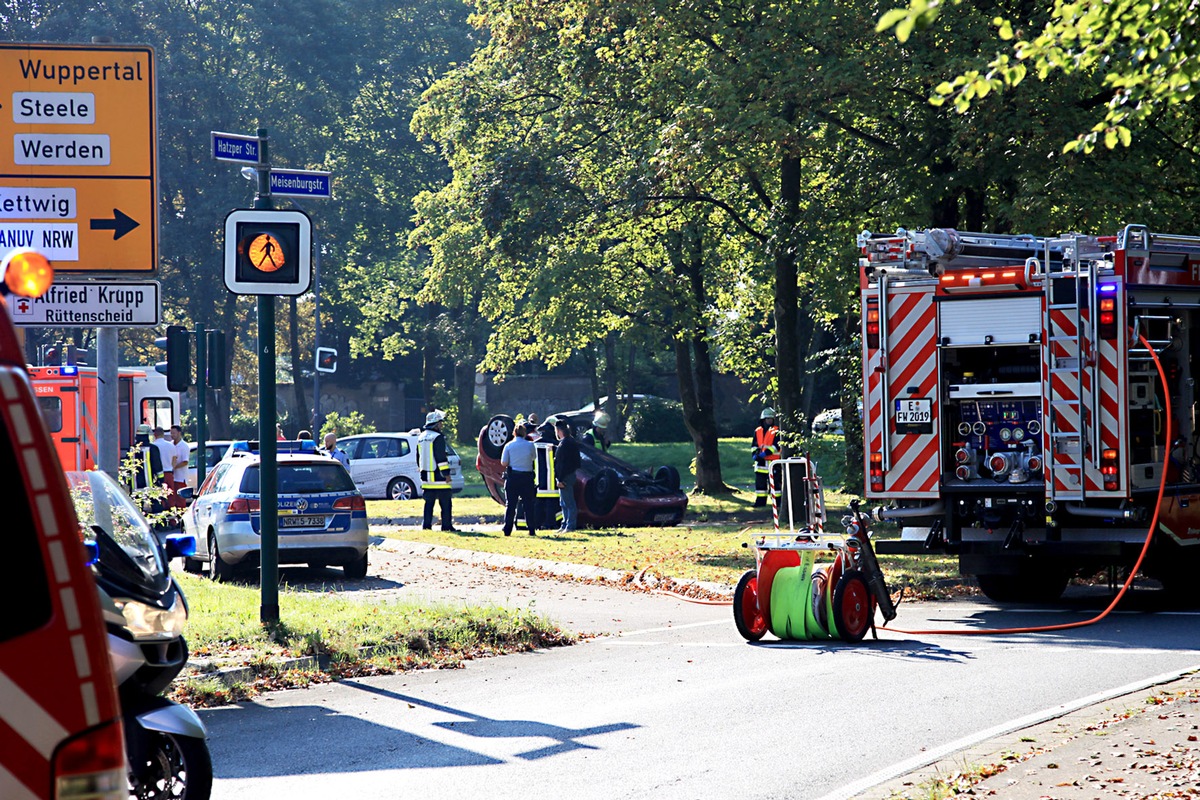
column 144, row 612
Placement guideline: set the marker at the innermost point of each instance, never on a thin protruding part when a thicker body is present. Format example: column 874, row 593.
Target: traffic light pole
column 201, row 398
column 108, row 436
column 268, row 463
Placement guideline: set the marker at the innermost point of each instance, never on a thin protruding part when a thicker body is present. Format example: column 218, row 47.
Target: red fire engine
column 1014, row 417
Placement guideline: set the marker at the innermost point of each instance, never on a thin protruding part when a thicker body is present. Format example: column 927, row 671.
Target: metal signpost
column 268, row 252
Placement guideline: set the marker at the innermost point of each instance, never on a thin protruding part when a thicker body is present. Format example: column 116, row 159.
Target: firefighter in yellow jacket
column 766, row 451
column 435, row 470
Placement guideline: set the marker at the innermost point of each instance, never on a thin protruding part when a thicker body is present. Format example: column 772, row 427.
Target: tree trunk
column 852, row 392
column 786, row 255
column 589, row 358
column 303, row 412
column 464, row 387
column 219, row 425
column 616, row 427
column 693, row 365
column 816, row 343
column 428, row 360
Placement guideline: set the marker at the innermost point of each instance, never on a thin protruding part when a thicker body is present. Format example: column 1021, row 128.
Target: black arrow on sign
column 120, row 224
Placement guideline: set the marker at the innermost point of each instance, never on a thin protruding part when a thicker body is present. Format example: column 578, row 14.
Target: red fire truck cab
column 60, row 723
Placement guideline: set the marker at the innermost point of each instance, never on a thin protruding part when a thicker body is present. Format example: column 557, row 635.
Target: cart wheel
column 852, row 606
column 748, row 617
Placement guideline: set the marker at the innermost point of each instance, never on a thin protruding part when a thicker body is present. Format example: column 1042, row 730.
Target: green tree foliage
column 1145, row 54
column 334, row 82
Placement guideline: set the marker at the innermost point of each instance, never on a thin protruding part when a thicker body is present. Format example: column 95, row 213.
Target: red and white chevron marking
column 911, row 360
column 1110, row 355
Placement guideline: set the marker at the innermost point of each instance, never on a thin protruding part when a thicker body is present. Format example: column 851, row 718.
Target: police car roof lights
column 250, row 446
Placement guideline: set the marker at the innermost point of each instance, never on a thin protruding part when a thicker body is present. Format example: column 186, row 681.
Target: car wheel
column 218, row 570
column 602, row 492
column 495, row 435
column 668, row 476
column 1031, row 584
column 401, row 489
column 356, row 570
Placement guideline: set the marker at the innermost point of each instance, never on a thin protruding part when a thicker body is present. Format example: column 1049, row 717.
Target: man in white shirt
column 179, row 463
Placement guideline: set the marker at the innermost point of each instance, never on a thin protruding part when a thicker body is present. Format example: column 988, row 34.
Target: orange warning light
column 27, row 273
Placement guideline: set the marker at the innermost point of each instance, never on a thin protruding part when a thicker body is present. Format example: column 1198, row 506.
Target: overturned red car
column 609, row 492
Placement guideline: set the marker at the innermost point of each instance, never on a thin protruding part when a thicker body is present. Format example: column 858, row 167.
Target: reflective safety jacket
column 432, row 460
column 543, row 470
column 766, row 447
column 148, row 468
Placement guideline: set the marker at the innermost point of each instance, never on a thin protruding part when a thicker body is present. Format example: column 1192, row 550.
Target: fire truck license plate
column 914, row 416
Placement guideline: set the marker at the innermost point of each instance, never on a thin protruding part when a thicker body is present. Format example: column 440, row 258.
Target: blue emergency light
column 283, row 446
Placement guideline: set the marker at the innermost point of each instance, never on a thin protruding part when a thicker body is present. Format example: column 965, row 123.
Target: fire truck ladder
column 1158, row 329
column 1067, row 285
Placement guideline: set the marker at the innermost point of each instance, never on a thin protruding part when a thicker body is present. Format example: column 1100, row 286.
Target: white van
column 384, row 465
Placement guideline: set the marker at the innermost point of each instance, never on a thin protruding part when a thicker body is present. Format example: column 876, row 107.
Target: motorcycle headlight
column 147, row 622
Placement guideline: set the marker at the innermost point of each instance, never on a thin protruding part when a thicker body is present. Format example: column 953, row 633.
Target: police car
column 322, row 515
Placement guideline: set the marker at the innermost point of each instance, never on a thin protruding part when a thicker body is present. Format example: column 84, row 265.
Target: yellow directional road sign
column 78, row 151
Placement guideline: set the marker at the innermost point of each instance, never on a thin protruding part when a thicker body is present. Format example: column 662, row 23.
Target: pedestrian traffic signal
column 178, row 366
column 216, row 358
column 268, row 252
column 326, row 359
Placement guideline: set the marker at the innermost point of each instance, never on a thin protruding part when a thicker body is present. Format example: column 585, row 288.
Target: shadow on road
column 334, row 742
column 488, row 728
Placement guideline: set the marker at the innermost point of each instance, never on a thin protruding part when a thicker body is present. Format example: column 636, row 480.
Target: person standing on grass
column 566, row 462
column 766, row 451
column 435, row 471
column 517, row 458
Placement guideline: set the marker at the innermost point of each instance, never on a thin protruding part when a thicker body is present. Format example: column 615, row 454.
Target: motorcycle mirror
column 180, row 544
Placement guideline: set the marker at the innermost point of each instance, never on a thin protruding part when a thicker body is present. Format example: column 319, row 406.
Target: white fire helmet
column 434, row 416
column 767, row 413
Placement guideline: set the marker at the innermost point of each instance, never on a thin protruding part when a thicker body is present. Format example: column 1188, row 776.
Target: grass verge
column 713, row 552
column 341, row 637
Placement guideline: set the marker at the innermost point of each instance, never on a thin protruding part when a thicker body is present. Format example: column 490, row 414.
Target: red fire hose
column 1137, row 565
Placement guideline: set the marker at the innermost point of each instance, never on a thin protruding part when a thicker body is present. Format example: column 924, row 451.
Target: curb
column 233, row 675
column 561, row 569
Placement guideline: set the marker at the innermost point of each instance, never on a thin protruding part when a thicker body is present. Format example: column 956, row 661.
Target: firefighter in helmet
column 435, row 470
column 597, row 437
column 766, row 450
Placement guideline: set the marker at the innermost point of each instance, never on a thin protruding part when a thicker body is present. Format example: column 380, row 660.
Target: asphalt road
column 674, row 704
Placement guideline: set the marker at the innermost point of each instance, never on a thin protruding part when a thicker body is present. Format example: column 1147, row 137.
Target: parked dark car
column 610, row 492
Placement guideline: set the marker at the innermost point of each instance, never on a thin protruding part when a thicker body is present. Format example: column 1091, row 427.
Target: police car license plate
column 303, row 521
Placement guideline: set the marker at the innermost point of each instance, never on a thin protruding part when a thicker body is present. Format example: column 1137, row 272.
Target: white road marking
column 936, row 754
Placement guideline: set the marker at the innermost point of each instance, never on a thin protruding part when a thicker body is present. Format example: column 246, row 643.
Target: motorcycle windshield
column 129, row 552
